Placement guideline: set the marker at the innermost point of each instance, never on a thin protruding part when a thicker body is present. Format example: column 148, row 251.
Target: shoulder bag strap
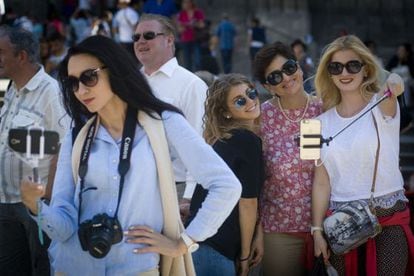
column 374, row 177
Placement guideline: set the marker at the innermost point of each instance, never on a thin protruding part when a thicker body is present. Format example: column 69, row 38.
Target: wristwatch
column 191, row 245
column 315, row 228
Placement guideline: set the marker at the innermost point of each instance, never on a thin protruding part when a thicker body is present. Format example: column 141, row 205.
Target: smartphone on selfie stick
column 311, row 140
column 33, row 143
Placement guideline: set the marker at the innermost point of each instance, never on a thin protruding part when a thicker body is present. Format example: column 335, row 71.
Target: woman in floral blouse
column 285, row 203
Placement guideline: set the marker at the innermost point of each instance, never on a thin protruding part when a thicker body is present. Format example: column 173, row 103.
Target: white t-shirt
column 126, row 20
column 350, row 157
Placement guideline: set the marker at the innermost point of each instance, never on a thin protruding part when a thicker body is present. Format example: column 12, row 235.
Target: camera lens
column 99, row 234
column 101, row 242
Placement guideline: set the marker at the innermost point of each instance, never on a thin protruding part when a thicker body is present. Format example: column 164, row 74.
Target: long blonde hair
column 325, row 87
column 216, row 125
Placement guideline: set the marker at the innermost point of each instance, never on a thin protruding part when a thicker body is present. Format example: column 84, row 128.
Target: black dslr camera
column 98, row 234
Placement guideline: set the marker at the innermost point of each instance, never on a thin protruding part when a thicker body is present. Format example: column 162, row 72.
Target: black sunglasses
column 146, row 35
column 276, row 77
column 88, row 78
column 251, row 93
column 352, row 66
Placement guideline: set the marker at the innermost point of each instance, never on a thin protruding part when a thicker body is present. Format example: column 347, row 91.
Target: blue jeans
column 226, row 59
column 192, row 55
column 209, row 262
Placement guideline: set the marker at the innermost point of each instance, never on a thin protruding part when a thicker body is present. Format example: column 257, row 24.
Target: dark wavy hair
column 266, row 55
column 125, row 79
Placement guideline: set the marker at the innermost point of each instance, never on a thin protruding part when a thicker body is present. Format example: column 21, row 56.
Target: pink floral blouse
column 285, row 203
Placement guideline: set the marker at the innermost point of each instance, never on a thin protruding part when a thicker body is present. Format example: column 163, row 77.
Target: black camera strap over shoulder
column 128, row 136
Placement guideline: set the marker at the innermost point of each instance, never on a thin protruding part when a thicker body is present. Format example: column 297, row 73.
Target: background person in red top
column 189, row 20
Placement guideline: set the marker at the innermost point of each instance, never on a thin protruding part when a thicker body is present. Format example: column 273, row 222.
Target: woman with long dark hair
column 111, row 196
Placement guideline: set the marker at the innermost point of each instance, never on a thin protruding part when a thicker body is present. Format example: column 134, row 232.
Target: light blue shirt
column 140, row 202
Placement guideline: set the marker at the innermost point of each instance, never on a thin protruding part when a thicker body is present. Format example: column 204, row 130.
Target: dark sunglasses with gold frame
column 88, row 78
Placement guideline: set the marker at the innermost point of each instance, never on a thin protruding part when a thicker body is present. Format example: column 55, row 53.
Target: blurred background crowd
column 217, row 37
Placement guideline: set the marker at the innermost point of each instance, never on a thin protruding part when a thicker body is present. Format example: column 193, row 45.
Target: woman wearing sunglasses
column 115, row 203
column 347, row 81
column 231, row 119
column 285, row 202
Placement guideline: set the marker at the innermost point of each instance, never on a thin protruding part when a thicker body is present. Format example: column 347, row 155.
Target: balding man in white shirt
column 154, row 47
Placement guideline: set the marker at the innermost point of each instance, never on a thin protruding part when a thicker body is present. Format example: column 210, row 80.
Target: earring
column 228, row 116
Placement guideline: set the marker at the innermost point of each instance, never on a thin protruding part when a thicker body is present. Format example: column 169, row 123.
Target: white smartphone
column 310, row 139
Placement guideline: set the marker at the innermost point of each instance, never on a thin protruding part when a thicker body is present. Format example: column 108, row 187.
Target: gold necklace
column 286, row 116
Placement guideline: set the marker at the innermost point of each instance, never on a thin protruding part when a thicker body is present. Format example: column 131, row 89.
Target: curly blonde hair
column 326, row 88
column 216, row 125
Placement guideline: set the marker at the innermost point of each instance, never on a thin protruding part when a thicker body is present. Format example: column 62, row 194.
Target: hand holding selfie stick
column 32, row 144
column 386, row 95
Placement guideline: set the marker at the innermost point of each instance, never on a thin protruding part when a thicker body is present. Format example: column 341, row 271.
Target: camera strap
column 128, row 136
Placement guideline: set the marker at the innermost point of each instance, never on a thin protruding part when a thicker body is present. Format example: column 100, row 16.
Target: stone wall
column 285, row 20
column 385, row 22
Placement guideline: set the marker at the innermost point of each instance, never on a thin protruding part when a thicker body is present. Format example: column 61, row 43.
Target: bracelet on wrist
column 315, row 228
column 244, row 259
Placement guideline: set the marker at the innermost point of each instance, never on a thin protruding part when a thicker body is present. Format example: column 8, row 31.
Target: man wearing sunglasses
column 154, row 47
column 32, row 97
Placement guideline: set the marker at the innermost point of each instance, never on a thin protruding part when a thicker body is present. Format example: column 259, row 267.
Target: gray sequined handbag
column 354, row 222
column 350, row 225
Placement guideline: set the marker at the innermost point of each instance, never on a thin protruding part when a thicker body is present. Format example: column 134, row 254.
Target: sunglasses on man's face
column 251, row 93
column 146, row 35
column 88, row 78
column 276, row 77
column 352, row 66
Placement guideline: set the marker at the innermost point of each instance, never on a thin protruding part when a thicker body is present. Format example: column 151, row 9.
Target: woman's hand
column 185, row 209
column 156, row 242
column 31, row 192
column 395, row 84
column 243, row 267
column 257, row 248
column 320, row 246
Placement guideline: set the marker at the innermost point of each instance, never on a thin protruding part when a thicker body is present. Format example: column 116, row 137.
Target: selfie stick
column 33, row 160
column 387, row 94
